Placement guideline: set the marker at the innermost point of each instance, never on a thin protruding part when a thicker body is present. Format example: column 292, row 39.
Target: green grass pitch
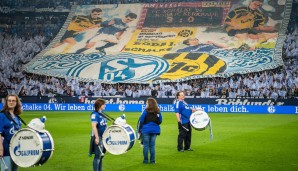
column 241, row 142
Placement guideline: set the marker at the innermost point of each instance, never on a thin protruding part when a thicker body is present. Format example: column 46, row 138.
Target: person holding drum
column 10, row 123
column 99, row 125
column 150, row 120
column 183, row 113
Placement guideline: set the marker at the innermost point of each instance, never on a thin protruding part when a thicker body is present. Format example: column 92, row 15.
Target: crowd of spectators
column 18, row 48
column 31, row 26
column 14, row 53
column 67, row 3
column 291, row 43
column 266, row 84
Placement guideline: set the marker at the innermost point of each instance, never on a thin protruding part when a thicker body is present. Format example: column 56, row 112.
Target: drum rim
column 40, row 140
column 53, row 144
column 134, row 133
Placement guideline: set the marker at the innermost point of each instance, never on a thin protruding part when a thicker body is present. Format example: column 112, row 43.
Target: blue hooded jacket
column 151, row 127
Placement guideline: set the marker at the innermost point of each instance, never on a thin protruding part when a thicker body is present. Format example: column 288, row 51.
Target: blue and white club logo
column 116, row 140
column 271, row 109
column 25, row 148
column 124, row 67
column 121, row 107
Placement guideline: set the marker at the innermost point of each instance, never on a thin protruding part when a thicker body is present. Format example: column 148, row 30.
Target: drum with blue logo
column 199, row 120
column 118, row 139
column 31, row 148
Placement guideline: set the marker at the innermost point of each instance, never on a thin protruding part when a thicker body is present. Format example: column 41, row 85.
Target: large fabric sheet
column 162, row 42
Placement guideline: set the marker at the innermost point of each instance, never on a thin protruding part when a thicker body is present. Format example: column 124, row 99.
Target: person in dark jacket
column 150, row 120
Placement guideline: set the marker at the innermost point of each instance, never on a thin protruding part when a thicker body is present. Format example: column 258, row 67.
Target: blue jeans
column 9, row 164
column 149, row 144
column 97, row 161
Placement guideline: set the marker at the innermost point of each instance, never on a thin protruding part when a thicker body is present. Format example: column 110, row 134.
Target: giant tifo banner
column 154, row 42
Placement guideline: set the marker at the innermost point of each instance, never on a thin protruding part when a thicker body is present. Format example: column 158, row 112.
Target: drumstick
column 101, row 153
column 5, row 167
column 185, row 128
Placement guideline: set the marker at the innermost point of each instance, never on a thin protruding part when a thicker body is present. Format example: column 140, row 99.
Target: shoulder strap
column 10, row 118
column 22, row 120
column 103, row 115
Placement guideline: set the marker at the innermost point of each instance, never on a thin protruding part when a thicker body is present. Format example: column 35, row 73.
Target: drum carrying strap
column 109, row 118
column 10, row 118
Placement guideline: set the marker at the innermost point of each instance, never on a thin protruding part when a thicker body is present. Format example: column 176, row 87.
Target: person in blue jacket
column 150, row 120
column 99, row 125
column 183, row 112
column 10, row 123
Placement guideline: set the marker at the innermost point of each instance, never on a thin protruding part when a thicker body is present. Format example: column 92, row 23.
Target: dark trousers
column 184, row 136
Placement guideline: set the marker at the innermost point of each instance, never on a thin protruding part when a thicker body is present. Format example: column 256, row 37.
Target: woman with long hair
column 10, row 123
column 150, row 120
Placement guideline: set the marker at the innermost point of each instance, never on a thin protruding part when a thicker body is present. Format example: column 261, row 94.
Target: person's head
column 191, row 42
column 95, row 13
column 129, row 17
column 180, row 95
column 255, row 4
column 12, row 102
column 152, row 105
column 99, row 105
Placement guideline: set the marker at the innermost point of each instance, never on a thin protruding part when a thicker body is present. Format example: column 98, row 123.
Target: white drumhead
column 116, row 139
column 26, row 147
column 199, row 120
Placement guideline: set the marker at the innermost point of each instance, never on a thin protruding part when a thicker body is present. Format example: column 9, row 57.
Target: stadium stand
column 24, row 36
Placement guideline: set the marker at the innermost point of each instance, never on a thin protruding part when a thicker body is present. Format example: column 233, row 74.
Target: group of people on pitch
column 149, row 121
column 149, row 128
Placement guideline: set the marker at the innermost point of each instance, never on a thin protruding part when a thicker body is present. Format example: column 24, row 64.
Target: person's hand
column 96, row 141
column 193, row 110
column 179, row 124
column 199, row 109
column 1, row 153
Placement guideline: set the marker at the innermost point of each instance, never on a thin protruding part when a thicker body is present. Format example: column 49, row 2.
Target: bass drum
column 199, row 120
column 31, row 148
column 118, row 139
